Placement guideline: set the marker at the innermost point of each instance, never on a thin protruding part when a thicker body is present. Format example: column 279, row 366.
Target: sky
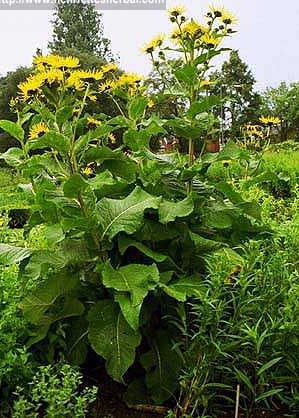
column 268, row 35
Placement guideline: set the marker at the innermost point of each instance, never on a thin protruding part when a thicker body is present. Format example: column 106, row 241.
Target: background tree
column 235, row 82
column 78, row 26
column 283, row 102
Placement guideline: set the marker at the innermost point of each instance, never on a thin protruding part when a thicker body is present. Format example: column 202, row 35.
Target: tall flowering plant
column 124, row 230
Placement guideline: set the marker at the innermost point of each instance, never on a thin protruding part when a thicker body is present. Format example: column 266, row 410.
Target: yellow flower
column 93, row 122
column 1, row 222
column 53, row 75
column 216, row 11
column 105, row 86
column 127, row 80
column 176, row 35
column 38, row 130
column 270, row 120
column 109, row 67
column 155, row 43
column 210, row 41
column 92, row 97
column 77, row 78
column 205, row 84
column 193, row 29
column 150, row 103
column 228, row 18
column 176, row 11
column 88, row 171
column 31, row 85
column 112, row 138
column 56, row 61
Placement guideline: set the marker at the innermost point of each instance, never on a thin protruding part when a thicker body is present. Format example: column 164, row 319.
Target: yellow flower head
column 92, row 97
column 210, row 41
column 228, row 18
column 216, row 11
column 56, row 61
column 93, row 122
column 88, row 171
column 31, row 85
column 105, row 86
column 112, row 138
column 193, row 29
column 155, row 43
column 38, row 130
column 127, row 80
column 205, row 84
column 176, row 11
column 53, row 75
column 109, row 67
column 150, row 103
column 270, row 120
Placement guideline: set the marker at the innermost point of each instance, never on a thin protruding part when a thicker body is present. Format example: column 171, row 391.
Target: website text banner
column 99, row 4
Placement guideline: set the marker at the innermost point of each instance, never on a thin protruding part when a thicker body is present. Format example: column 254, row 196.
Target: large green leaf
column 124, row 215
column 184, row 287
column 13, row 156
column 134, row 281
column 137, row 107
column 205, row 105
column 10, row 254
column 124, row 242
column 37, row 303
column 163, row 365
column 13, row 129
column 51, row 139
column 169, row 211
column 136, row 140
column 112, row 338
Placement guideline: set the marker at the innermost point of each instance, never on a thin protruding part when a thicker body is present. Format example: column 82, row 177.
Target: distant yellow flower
column 92, row 97
column 112, row 138
column 88, row 171
column 150, row 103
column 57, row 61
column 109, row 67
column 270, row 120
column 38, row 130
column 31, row 85
column 210, row 41
column 2, row 222
column 228, row 18
column 93, row 122
column 176, row 11
column 205, row 84
column 155, row 43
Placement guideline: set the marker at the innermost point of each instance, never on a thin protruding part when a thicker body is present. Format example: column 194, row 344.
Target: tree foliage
column 235, row 82
column 78, row 26
column 283, row 102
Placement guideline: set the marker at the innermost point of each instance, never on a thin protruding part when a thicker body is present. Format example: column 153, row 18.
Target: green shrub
column 54, row 392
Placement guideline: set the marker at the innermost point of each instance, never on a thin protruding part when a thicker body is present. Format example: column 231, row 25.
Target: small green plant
column 54, row 392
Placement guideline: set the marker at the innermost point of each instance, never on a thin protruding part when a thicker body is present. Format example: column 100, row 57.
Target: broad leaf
column 112, row 338
column 125, row 242
column 13, row 157
column 37, row 303
column 163, row 365
column 124, row 215
column 137, row 107
column 11, row 255
column 169, row 211
column 13, row 129
column 134, row 281
column 205, row 105
column 184, row 287
column 51, row 139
